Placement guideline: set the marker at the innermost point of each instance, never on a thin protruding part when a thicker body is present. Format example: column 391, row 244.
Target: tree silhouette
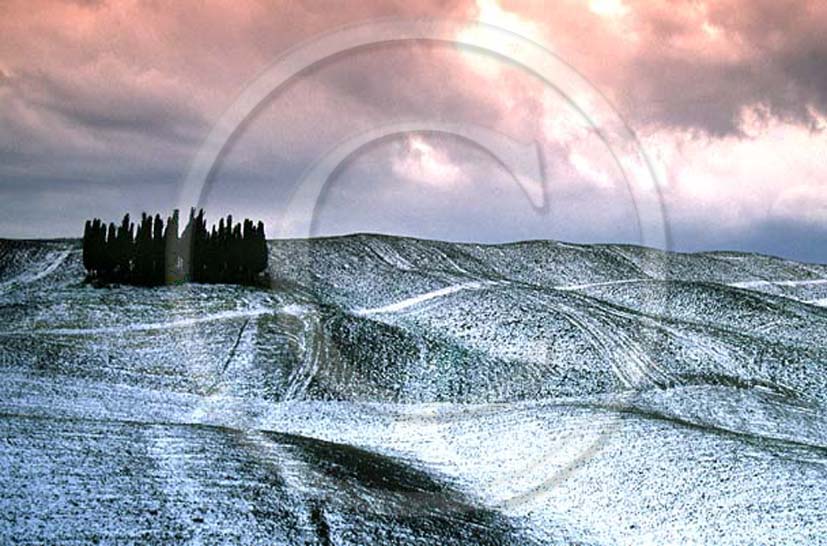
column 155, row 254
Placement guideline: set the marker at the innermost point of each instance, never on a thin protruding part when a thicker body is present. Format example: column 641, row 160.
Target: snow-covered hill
column 398, row 390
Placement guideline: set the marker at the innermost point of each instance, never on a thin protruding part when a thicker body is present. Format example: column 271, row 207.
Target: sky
column 104, row 106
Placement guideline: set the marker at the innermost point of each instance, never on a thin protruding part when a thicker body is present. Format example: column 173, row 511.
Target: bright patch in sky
column 418, row 161
column 608, row 8
column 491, row 13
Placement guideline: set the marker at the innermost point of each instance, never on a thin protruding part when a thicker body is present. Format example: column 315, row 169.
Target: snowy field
column 400, row 391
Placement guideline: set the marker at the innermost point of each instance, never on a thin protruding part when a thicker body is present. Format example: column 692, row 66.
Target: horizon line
column 480, row 243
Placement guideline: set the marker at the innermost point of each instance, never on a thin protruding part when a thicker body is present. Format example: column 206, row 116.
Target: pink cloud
column 104, row 90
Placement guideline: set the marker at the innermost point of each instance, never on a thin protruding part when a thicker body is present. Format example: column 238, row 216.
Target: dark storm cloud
column 766, row 54
column 103, row 109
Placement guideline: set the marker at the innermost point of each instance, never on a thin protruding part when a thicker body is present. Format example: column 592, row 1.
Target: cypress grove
column 154, row 254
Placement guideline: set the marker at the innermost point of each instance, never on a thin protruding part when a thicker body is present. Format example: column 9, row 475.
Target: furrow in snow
column 421, row 298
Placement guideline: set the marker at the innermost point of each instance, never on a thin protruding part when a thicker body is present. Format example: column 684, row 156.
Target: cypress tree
column 97, row 245
column 142, row 251
column 87, row 246
column 157, row 251
column 108, row 265
column 170, row 248
column 261, row 249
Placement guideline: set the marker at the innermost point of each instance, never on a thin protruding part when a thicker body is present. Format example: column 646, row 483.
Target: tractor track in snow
column 147, row 326
column 28, row 278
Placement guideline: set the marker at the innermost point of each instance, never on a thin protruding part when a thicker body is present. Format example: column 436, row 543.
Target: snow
column 762, row 283
column 598, row 284
column 391, row 390
column 422, row 298
column 144, row 327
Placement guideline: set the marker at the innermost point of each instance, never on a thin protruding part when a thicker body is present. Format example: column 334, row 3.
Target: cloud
column 420, row 162
column 802, row 203
column 701, row 64
column 692, row 64
column 131, row 105
column 727, row 97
